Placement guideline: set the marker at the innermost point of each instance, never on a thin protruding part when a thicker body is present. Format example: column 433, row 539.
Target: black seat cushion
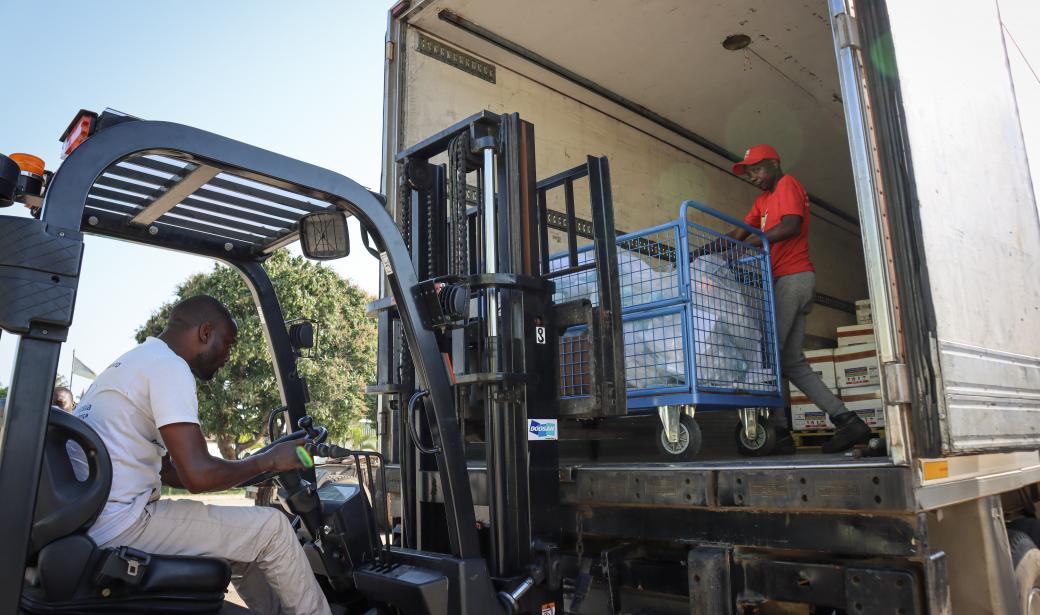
column 179, row 574
column 169, row 584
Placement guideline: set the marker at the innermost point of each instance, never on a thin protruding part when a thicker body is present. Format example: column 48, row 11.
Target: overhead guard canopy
column 198, row 203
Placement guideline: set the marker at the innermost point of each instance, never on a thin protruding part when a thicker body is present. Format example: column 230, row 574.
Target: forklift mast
column 476, row 223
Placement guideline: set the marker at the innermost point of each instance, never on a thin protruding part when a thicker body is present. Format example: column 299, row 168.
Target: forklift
column 469, row 362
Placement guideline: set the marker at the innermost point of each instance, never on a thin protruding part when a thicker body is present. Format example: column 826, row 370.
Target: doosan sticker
column 549, row 609
column 542, row 429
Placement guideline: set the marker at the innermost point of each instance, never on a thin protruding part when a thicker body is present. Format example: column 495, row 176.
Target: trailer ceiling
column 668, row 56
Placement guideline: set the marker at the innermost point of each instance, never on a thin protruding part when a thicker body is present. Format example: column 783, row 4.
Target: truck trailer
column 905, row 197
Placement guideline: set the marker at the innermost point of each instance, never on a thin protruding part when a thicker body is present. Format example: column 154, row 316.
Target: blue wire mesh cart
column 699, row 328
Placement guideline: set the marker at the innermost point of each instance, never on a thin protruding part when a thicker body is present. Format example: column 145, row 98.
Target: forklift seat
column 67, row 573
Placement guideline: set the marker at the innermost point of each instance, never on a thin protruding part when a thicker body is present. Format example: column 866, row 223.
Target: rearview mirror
column 324, row 235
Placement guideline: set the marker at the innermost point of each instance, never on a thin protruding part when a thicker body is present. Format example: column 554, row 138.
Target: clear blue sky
column 304, row 79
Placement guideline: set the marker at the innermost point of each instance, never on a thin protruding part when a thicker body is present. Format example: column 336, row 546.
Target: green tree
column 3, row 391
column 234, row 405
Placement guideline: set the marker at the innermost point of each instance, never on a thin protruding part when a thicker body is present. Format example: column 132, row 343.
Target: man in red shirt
column 782, row 213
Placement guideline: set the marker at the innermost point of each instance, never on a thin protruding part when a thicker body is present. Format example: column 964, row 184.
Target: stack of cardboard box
column 851, row 371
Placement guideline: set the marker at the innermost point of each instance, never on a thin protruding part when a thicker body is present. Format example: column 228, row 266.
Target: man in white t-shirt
column 144, row 407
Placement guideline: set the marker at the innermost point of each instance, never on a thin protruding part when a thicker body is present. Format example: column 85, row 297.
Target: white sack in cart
column 728, row 324
column 727, row 332
column 641, row 279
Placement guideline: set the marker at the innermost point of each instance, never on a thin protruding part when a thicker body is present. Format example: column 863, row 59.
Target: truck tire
column 689, row 443
column 1029, row 526
column 1026, row 559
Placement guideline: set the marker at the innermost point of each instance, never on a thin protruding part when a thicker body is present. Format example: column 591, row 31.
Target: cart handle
column 724, row 217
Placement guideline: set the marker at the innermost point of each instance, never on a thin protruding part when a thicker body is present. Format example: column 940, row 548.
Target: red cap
column 755, row 155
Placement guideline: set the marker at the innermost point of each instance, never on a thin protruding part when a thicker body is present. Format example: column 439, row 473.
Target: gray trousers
column 794, row 300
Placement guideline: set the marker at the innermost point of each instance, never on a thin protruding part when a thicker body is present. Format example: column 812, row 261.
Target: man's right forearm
column 215, row 474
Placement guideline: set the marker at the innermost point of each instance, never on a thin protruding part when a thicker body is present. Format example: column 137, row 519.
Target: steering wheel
column 317, row 435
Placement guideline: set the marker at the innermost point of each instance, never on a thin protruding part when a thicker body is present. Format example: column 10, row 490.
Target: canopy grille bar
column 177, row 193
column 121, row 208
column 186, row 219
column 278, row 224
column 199, row 202
column 104, row 181
column 227, row 216
column 211, row 230
column 133, row 199
column 281, row 215
column 237, row 225
column 160, row 165
column 154, row 181
column 232, row 186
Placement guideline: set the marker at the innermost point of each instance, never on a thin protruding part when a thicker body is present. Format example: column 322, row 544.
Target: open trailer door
column 960, row 192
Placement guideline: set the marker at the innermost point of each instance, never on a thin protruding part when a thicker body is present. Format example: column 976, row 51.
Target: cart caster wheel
column 689, row 443
column 764, row 442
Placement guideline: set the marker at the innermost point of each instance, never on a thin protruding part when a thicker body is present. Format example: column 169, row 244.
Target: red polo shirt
column 788, row 198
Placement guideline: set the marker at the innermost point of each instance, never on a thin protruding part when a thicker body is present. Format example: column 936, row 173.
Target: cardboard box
column 857, row 366
column 822, row 364
column 805, row 416
column 855, row 334
column 860, row 393
column 866, row 402
column 864, row 316
column 809, row 418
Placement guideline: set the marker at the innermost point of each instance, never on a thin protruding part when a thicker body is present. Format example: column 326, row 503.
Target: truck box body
column 929, row 215
column 593, row 82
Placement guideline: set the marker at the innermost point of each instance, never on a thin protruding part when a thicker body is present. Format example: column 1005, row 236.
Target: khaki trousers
column 257, row 541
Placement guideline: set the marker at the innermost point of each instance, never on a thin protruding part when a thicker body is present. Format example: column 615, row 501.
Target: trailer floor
column 801, row 461
column 718, row 449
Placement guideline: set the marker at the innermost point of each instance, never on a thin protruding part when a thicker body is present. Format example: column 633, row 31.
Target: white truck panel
column 979, row 222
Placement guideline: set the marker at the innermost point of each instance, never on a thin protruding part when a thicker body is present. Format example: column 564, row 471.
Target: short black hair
column 194, row 311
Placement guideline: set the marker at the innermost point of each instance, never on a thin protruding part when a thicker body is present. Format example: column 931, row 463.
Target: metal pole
column 21, row 451
column 490, row 266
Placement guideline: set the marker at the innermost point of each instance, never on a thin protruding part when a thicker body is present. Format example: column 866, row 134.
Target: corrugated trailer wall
column 649, row 177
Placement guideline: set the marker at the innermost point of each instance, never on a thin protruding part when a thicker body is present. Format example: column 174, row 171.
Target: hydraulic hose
column 411, row 424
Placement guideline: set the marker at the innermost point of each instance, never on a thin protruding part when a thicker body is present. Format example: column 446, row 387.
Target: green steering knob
column 305, row 457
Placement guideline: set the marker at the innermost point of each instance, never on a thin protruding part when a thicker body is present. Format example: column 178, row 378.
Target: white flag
column 81, row 370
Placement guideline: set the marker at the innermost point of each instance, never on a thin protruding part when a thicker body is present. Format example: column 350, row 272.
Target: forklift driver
column 144, row 407
column 781, row 211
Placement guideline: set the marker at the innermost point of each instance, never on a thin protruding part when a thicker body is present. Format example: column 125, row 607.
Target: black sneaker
column 784, row 442
column 850, row 430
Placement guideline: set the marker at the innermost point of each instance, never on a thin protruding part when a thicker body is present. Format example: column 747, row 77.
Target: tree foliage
column 234, row 405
